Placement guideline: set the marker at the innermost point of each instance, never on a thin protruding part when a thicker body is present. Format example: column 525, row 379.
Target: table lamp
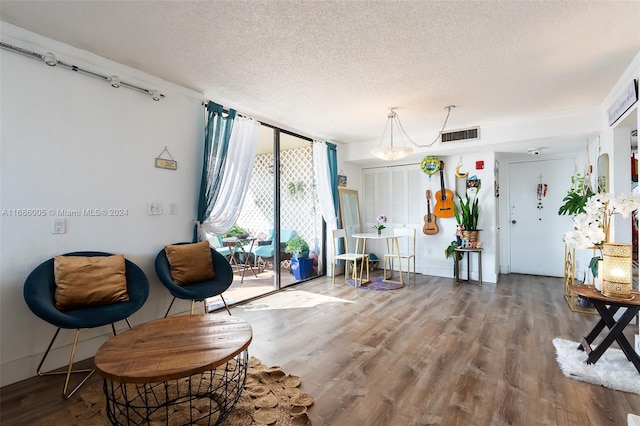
column 616, row 274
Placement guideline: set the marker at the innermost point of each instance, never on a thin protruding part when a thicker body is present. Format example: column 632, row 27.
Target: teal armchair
column 267, row 252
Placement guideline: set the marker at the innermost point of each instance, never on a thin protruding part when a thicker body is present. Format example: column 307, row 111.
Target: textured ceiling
column 331, row 70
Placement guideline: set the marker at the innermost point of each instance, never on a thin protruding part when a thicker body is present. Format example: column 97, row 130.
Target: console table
column 185, row 369
column 607, row 307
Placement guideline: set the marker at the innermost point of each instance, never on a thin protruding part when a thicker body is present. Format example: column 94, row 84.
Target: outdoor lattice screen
column 299, row 209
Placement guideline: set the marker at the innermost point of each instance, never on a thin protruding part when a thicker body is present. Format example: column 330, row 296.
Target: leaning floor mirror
column 350, row 214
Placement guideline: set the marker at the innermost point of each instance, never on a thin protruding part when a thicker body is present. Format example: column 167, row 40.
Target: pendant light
column 397, row 152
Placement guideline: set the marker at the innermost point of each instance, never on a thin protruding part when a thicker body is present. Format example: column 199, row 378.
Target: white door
column 536, row 229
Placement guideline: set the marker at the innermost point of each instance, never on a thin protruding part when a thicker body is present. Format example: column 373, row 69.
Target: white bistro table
column 392, row 247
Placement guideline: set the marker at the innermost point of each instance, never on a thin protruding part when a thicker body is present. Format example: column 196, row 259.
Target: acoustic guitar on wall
column 430, row 227
column 444, row 198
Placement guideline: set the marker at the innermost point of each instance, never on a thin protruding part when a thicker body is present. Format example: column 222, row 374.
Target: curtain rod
column 51, row 60
column 271, row 126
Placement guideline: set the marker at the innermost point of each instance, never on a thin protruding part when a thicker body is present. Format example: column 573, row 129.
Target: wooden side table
column 194, row 366
column 607, row 307
column 457, row 263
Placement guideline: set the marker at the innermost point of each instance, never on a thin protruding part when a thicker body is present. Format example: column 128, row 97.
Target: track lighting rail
column 51, row 60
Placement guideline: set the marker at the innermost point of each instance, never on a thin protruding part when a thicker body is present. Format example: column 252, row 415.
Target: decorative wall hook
column 164, row 163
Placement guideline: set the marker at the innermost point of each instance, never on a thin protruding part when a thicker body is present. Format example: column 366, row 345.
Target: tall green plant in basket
column 467, row 212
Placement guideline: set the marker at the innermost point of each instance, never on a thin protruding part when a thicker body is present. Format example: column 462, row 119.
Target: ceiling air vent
column 461, row 135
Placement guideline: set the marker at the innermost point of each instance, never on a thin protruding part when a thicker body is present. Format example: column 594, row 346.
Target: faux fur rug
column 270, row 397
column 613, row 370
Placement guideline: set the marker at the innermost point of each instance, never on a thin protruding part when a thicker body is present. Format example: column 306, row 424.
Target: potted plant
column 382, row 219
column 301, row 263
column 466, row 213
column 577, row 196
column 240, row 233
column 451, row 251
column 236, row 231
column 574, row 203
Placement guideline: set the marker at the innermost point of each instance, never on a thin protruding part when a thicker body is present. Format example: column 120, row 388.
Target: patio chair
column 266, row 253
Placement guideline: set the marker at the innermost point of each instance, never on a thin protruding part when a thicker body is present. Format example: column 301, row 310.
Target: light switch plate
column 154, row 208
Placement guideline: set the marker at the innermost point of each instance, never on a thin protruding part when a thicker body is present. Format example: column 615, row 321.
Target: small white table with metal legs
column 392, row 246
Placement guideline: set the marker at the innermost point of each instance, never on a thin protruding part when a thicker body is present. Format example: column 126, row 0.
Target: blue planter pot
column 302, row 267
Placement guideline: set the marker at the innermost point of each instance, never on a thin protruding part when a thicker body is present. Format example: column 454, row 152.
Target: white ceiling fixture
column 397, row 152
column 391, row 152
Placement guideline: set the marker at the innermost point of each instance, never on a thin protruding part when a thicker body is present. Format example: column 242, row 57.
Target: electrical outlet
column 154, row 208
column 429, row 252
column 173, row 208
column 59, row 226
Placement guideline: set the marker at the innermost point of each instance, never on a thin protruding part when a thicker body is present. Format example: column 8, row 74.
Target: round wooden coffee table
column 176, row 370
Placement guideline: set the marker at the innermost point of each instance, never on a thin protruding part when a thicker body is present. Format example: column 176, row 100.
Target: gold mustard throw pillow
column 93, row 280
column 190, row 263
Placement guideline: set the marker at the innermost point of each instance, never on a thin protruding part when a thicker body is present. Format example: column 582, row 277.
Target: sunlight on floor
column 292, row 299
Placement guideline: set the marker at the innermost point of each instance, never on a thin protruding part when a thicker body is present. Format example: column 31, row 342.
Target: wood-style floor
column 431, row 353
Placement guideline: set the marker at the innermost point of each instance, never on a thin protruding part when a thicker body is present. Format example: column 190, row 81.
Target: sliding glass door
column 280, row 210
column 300, row 218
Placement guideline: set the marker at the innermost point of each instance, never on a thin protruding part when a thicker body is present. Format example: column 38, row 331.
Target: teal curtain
column 332, row 154
column 216, row 145
column 332, row 158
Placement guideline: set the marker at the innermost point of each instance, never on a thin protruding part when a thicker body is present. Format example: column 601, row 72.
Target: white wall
column 70, row 141
column 615, row 141
column 378, row 194
column 538, row 131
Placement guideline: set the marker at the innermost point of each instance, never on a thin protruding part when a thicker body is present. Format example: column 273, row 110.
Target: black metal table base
column 607, row 311
column 203, row 399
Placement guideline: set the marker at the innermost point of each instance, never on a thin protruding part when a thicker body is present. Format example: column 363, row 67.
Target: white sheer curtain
column 235, row 179
column 325, row 194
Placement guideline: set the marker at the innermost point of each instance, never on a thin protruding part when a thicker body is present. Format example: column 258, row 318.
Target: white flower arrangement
column 592, row 227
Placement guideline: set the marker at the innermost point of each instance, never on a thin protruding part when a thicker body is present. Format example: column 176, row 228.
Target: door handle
column 513, row 221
